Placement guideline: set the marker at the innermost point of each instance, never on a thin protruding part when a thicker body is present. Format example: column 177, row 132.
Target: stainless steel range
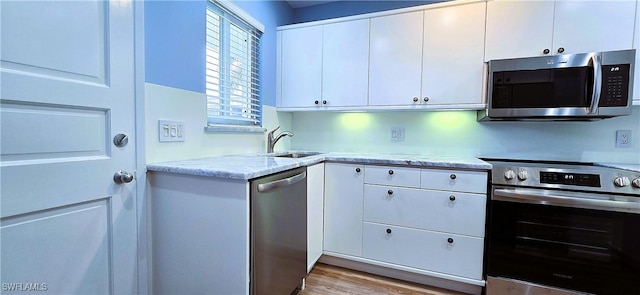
column 563, row 228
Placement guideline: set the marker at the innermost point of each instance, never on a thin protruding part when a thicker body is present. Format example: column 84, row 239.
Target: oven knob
column 621, row 181
column 522, row 175
column 509, row 174
column 636, row 182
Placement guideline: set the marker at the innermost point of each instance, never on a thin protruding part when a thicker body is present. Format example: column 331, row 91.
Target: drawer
column 452, row 180
column 396, row 176
column 439, row 252
column 454, row 212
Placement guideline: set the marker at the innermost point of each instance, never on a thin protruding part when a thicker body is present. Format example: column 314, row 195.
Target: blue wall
column 175, row 36
column 351, row 7
column 175, row 42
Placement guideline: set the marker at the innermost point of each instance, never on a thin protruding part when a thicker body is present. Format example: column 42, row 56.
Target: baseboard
column 401, row 274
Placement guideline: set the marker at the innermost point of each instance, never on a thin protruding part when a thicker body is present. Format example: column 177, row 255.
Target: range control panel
column 587, row 177
column 591, row 180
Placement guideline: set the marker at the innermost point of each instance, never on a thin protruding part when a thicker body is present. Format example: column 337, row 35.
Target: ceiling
column 305, row 3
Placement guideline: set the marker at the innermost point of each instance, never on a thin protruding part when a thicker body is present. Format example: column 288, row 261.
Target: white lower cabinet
column 462, row 213
column 343, row 208
column 431, row 220
column 315, row 213
column 440, row 252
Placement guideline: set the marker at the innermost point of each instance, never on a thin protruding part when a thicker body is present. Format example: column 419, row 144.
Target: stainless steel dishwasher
column 279, row 232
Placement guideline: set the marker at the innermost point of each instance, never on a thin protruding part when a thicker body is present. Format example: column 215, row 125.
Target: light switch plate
column 623, row 138
column 170, row 130
column 397, row 134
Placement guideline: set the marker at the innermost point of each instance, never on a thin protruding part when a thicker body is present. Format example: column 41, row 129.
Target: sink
column 297, row 155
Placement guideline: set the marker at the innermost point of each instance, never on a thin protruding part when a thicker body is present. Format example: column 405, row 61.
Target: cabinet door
column 315, row 213
column 585, row 26
column 343, row 208
column 396, row 59
column 434, row 251
column 453, row 55
column 301, row 67
column 345, row 63
column 518, row 28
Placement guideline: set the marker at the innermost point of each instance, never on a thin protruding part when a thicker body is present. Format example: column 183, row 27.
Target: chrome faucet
column 271, row 142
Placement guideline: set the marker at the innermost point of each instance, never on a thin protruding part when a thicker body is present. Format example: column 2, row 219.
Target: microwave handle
column 594, row 60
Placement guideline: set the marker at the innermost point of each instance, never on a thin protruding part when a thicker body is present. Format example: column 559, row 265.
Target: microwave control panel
column 615, row 86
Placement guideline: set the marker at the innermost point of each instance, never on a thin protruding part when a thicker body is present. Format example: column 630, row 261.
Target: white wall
column 168, row 103
column 458, row 134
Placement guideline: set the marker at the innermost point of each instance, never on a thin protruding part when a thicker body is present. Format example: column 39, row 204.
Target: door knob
column 122, row 177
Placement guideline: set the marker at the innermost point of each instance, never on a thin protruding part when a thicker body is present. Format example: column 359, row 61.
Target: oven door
column 577, row 241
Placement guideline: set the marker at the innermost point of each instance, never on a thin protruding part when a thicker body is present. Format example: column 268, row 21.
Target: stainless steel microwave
column 574, row 87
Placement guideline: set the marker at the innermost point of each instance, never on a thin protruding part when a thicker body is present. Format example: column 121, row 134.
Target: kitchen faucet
column 271, row 142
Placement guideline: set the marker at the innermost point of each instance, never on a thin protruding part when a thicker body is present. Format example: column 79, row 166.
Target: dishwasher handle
column 269, row 186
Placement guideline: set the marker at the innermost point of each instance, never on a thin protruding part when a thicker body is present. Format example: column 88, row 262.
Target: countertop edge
column 196, row 167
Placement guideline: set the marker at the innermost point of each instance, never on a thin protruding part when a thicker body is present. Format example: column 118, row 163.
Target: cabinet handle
column 450, row 240
column 316, row 102
column 426, row 98
column 390, row 172
column 358, row 170
column 388, row 230
column 415, row 99
column 390, row 192
column 560, row 50
column 452, row 176
column 452, row 198
column 546, row 51
column 324, row 102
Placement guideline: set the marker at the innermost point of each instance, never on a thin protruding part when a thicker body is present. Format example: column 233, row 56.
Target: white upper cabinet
column 325, row 66
column 345, row 63
column 395, row 65
column 534, row 28
column 453, row 51
column 301, row 67
column 584, row 26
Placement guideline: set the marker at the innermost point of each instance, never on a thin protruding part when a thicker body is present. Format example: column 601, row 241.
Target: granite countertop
column 245, row 167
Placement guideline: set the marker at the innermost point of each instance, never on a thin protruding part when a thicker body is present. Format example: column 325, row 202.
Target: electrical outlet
column 623, row 138
column 397, row 134
column 170, row 130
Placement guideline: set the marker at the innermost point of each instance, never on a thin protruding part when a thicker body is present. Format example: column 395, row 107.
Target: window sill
column 233, row 129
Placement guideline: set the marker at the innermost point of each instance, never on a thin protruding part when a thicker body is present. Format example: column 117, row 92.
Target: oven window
column 546, row 88
column 578, row 249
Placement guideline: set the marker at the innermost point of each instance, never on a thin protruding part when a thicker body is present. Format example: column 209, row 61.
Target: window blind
column 232, row 69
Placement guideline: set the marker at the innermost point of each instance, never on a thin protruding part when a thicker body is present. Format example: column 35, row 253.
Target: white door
column 67, row 89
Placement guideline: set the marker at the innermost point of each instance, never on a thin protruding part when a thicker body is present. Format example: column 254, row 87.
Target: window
column 232, row 63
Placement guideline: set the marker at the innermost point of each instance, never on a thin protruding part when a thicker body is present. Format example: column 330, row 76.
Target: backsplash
column 458, row 134
column 168, row 103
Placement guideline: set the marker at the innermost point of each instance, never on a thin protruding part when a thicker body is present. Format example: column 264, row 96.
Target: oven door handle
column 546, row 198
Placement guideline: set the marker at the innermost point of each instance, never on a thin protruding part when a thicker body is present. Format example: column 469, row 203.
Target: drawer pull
column 390, row 192
column 450, row 240
column 452, row 198
column 452, row 176
column 388, row 230
column 358, row 170
column 390, row 172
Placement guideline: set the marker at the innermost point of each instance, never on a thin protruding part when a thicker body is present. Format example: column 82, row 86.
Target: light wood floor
column 332, row 280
